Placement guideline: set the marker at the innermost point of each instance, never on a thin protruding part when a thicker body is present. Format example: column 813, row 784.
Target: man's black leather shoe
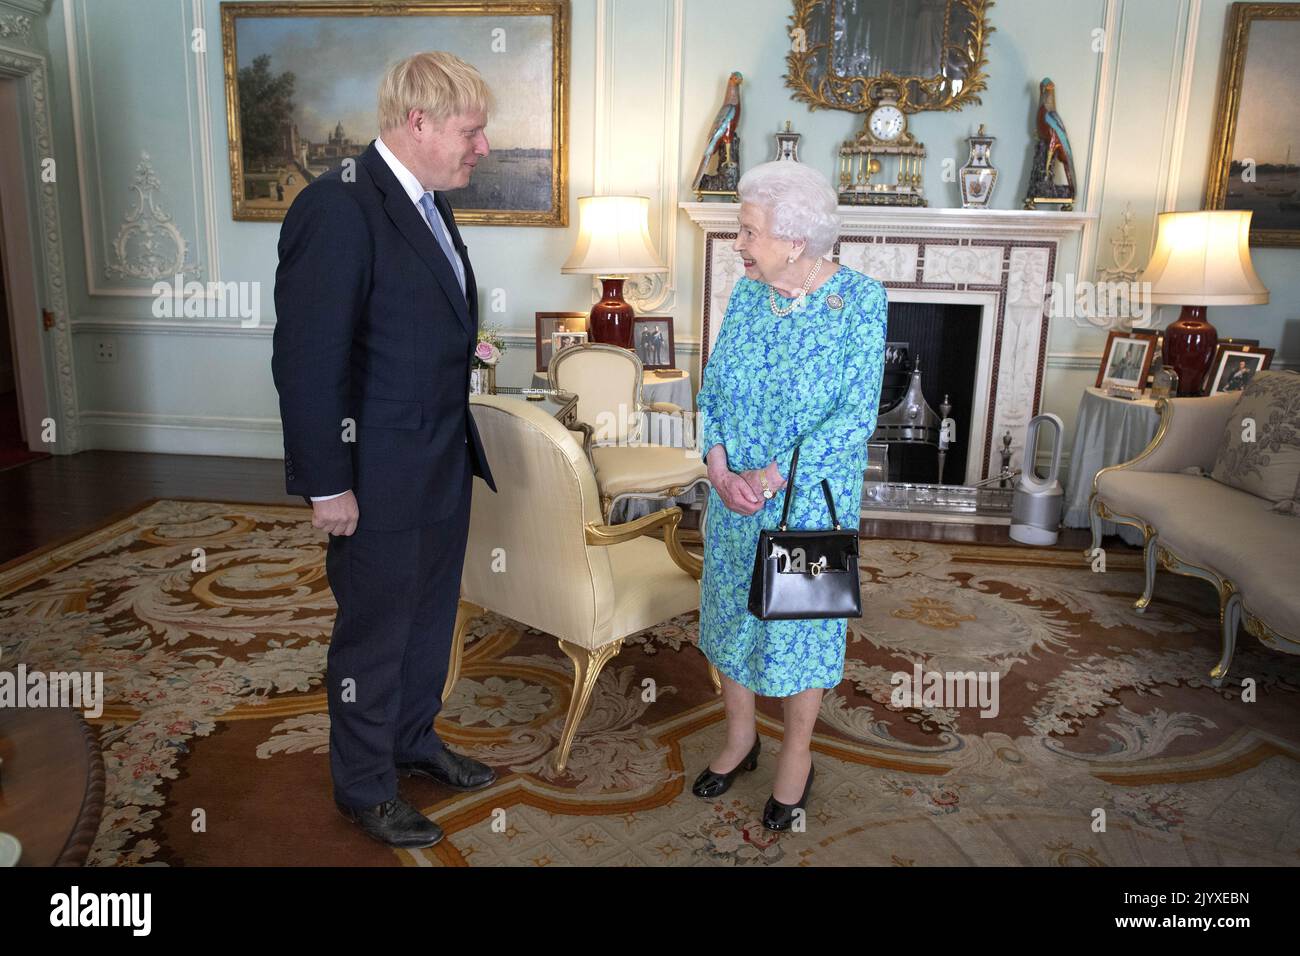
column 451, row 770
column 396, row 823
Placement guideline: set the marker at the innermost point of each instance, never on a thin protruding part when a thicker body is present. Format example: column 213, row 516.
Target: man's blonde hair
column 439, row 83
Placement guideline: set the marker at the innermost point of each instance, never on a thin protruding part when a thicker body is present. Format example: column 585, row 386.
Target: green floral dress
column 812, row 379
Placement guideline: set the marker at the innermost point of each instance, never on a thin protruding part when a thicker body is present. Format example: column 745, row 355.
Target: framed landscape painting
column 302, row 82
column 1255, row 159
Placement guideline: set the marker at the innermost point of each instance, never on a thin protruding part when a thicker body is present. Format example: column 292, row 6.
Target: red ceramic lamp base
column 1189, row 348
column 611, row 318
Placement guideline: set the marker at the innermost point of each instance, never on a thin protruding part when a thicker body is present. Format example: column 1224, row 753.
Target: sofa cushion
column 1269, row 465
column 1211, row 525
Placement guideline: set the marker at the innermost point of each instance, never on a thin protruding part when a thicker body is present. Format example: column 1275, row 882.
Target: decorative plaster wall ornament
column 646, row 293
column 148, row 244
column 1117, row 296
column 16, row 26
column 1122, row 251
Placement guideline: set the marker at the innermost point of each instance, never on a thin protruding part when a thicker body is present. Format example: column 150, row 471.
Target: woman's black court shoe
column 780, row 816
column 710, row 784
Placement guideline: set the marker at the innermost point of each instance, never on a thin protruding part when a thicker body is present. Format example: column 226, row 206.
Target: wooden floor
column 57, row 499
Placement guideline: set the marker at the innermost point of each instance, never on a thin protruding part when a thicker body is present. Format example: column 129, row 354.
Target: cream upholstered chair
column 567, row 573
column 608, row 382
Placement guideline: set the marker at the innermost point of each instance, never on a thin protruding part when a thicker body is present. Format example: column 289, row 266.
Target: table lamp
column 613, row 243
column 1200, row 259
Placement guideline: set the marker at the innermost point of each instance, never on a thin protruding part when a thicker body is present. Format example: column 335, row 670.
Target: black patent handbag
column 805, row 574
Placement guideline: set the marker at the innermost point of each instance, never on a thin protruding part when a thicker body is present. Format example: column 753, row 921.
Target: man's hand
column 336, row 515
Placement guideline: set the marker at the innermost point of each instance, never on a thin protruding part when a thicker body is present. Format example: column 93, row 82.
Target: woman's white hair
column 799, row 201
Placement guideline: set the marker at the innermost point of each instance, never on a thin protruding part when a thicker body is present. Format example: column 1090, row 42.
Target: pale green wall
column 192, row 389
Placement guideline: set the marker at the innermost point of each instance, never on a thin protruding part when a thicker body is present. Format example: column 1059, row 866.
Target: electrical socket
column 105, row 350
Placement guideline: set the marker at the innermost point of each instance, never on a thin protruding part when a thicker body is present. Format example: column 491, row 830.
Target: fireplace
column 981, row 278
column 941, row 342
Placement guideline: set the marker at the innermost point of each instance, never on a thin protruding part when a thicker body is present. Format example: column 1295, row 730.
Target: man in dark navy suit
column 376, row 323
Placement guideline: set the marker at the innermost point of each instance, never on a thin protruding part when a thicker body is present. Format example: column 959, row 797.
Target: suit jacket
column 371, row 327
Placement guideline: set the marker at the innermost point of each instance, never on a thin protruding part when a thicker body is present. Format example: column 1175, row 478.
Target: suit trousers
column 397, row 593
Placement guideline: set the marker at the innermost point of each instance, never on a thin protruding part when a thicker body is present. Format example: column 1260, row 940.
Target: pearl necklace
column 798, row 300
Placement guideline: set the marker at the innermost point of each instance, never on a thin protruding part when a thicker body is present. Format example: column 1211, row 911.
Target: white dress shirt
column 415, row 191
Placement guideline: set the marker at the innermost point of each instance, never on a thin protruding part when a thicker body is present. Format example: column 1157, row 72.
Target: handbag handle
column 789, row 493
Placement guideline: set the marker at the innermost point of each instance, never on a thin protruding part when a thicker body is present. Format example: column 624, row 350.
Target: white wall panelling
column 1099, row 142
column 94, row 193
column 646, row 293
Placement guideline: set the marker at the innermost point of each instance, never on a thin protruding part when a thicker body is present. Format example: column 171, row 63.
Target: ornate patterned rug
column 1109, row 747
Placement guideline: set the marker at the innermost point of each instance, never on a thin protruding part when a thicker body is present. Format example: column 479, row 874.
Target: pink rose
column 487, row 353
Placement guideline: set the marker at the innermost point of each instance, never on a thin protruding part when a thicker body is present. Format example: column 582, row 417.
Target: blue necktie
column 444, row 238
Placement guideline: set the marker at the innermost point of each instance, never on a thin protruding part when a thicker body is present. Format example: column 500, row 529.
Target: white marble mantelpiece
column 1002, row 260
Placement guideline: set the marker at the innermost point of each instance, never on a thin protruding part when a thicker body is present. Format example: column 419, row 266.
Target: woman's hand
column 754, row 478
column 740, row 492
column 736, row 494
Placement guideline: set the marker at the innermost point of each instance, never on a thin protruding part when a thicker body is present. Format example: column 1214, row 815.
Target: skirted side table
column 1106, row 432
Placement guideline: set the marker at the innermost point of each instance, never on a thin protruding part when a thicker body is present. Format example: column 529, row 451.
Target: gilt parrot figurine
column 722, row 134
column 1052, row 131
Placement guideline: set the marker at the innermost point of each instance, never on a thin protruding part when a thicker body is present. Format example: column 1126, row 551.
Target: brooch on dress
column 835, row 301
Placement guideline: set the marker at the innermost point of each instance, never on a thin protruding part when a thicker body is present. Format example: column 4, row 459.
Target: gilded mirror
column 931, row 51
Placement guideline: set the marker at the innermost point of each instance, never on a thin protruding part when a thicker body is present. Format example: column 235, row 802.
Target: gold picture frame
column 857, row 94
column 1234, row 80
column 246, row 204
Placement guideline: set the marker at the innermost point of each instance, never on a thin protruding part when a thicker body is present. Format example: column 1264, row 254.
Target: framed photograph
column 1255, row 151
column 302, row 80
column 567, row 340
column 1127, row 359
column 548, row 323
column 652, row 340
column 1234, row 366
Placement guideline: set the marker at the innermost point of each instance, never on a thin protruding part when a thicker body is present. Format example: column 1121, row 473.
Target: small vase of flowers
column 483, row 372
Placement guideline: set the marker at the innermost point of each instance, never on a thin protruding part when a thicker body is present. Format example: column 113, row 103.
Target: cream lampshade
column 613, row 243
column 1200, row 259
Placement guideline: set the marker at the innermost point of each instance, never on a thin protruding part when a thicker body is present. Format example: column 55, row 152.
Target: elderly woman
column 798, row 363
